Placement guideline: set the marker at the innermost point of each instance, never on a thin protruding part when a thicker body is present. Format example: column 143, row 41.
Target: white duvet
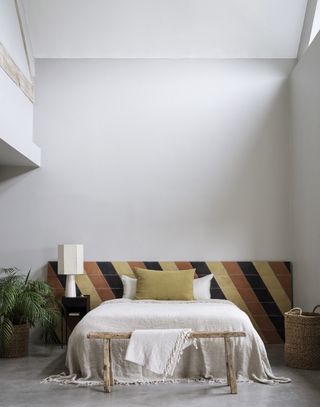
column 85, row 356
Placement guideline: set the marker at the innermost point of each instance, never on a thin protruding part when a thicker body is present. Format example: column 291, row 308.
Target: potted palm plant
column 23, row 303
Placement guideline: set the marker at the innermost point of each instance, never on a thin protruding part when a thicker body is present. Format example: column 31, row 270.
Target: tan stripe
column 273, row 285
column 123, row 268
column 226, row 284
column 229, row 289
column 168, row 265
column 86, row 287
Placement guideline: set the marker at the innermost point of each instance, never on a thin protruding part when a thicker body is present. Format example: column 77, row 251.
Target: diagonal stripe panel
column 273, row 285
column 261, row 289
column 284, row 276
column 229, row 289
column 86, row 287
column 99, row 282
column 257, row 311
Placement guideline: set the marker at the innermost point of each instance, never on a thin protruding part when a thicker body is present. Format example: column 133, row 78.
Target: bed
column 84, row 357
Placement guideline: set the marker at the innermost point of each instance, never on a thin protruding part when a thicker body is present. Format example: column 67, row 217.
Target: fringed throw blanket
column 84, row 356
column 158, row 350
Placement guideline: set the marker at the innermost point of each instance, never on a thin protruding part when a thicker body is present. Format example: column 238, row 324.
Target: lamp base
column 70, row 290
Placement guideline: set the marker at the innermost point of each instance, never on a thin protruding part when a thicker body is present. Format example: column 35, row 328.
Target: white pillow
column 201, row 287
column 129, row 287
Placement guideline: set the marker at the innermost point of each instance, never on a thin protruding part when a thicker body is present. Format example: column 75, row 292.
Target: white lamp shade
column 70, row 259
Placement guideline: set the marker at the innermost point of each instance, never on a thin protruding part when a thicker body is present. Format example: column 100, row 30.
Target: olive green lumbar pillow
column 167, row 285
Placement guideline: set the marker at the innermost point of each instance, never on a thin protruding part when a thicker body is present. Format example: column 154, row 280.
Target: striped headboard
column 262, row 289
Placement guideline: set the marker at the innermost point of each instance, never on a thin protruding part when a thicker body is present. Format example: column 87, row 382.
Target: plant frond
column 9, row 270
column 10, row 288
column 6, row 332
column 28, row 275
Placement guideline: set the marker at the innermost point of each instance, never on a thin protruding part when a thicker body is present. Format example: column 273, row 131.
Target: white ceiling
column 165, row 28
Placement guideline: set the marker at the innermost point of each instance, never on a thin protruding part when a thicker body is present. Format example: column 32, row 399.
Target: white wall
column 154, row 159
column 165, row 28
column 305, row 100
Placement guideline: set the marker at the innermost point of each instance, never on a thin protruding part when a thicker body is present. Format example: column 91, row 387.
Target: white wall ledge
column 16, row 126
column 26, row 156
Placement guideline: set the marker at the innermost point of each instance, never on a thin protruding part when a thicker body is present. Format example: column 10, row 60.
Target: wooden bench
column 109, row 336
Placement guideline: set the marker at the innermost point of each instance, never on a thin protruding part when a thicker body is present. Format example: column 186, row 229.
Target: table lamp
column 70, row 263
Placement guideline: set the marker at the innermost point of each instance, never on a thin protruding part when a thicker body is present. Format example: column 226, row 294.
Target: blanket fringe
column 272, row 379
column 64, row 379
column 177, row 352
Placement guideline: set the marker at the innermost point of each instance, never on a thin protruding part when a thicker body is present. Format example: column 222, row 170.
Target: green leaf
column 6, row 332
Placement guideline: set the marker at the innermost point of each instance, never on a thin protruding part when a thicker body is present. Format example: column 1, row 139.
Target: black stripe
column 203, row 270
column 111, row 276
column 256, row 282
column 152, row 265
column 118, row 292
column 288, row 266
column 270, row 308
column 248, row 268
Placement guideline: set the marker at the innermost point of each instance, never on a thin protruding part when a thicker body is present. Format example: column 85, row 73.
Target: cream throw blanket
column 85, row 361
column 158, row 350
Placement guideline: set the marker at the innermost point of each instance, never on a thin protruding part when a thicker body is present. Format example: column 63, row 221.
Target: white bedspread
column 84, row 356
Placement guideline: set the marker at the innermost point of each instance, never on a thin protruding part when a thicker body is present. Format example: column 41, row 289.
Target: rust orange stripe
column 98, row 280
column 53, row 279
column 186, row 265
column 283, row 275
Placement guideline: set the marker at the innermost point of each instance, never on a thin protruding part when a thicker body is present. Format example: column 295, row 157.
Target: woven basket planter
column 19, row 343
column 302, row 346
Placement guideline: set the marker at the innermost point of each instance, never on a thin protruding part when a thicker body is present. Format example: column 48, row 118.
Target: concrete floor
column 20, row 386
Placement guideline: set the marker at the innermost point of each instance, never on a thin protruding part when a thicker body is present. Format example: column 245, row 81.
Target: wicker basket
column 302, row 346
column 18, row 345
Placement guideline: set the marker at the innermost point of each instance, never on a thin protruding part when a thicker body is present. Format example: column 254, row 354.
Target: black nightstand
column 73, row 309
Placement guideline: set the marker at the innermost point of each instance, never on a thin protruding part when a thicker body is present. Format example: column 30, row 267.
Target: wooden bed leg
column 232, row 382
column 106, row 365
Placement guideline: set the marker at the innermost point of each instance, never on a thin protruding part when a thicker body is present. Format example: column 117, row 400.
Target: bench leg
column 227, row 362
column 110, row 361
column 106, row 366
column 231, row 377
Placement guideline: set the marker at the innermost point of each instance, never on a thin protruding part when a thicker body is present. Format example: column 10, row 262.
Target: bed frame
column 262, row 289
column 109, row 336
